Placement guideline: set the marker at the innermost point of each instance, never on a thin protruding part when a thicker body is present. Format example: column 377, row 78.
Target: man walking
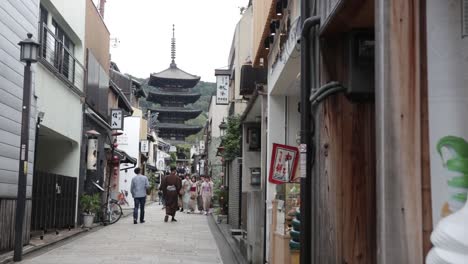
column 138, row 188
column 171, row 186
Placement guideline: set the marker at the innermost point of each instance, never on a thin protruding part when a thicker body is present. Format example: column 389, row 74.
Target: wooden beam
column 399, row 132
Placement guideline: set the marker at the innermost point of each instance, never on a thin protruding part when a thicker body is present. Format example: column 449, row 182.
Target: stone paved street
column 187, row 241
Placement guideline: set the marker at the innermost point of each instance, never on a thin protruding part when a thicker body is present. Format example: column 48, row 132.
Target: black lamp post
column 28, row 54
column 222, row 128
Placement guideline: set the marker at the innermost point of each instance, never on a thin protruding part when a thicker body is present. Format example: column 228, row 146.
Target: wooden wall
column 402, row 153
column 7, row 223
column 344, row 216
column 262, row 12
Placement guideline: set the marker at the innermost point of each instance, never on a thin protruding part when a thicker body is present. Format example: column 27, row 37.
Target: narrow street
column 187, row 241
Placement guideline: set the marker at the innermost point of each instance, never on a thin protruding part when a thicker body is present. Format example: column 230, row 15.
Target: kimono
column 207, row 193
column 171, row 186
column 186, row 184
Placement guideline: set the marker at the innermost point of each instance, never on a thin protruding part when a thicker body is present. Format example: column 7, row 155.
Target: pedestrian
column 138, row 188
column 200, row 181
column 193, row 195
column 171, row 186
column 159, row 197
column 207, row 193
column 186, row 184
column 160, row 188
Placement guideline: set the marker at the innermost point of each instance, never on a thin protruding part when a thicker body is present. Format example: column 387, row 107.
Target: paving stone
column 187, row 241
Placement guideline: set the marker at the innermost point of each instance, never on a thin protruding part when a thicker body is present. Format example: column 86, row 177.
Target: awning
column 124, row 157
column 151, row 167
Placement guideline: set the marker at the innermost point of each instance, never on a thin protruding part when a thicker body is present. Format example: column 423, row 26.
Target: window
column 57, row 50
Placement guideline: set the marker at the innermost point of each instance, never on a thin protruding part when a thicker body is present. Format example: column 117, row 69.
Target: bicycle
column 111, row 211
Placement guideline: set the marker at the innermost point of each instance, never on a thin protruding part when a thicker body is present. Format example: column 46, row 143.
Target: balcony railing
column 59, row 59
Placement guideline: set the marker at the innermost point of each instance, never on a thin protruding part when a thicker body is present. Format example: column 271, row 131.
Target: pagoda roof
column 159, row 96
column 173, row 77
column 178, row 128
column 177, row 111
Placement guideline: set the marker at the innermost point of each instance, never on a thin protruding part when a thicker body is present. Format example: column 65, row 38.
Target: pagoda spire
column 173, row 48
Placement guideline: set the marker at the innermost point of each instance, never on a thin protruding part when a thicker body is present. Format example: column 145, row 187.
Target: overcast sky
column 203, row 29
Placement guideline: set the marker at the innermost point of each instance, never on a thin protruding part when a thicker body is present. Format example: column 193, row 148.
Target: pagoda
column 171, row 90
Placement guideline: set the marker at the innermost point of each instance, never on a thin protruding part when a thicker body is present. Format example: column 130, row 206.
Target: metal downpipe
column 306, row 132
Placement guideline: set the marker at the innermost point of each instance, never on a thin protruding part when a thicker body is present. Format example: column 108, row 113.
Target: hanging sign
column 283, row 164
column 144, row 146
column 222, row 89
column 117, row 120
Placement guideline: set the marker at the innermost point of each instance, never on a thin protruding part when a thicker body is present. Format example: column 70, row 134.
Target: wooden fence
column 54, row 202
column 7, row 223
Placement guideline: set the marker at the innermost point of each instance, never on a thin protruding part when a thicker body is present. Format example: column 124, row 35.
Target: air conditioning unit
column 361, row 77
column 250, row 77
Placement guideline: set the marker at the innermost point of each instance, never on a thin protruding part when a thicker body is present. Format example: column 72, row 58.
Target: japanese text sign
column 283, row 164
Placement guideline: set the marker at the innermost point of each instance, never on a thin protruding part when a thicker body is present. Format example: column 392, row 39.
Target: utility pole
column 28, row 54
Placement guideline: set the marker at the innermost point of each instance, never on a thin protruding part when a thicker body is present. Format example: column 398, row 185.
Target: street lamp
column 29, row 50
column 222, row 128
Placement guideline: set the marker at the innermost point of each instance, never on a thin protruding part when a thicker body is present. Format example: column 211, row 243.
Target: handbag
column 193, row 196
column 182, row 191
column 148, row 191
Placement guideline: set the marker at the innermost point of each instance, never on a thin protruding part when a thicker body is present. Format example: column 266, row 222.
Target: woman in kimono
column 171, row 186
column 186, row 184
column 207, row 193
column 193, row 195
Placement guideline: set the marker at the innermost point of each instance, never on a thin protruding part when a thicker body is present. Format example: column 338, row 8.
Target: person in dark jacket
column 171, row 186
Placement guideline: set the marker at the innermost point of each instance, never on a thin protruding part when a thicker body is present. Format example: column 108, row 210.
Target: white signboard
column 117, row 119
column 144, row 146
column 222, row 89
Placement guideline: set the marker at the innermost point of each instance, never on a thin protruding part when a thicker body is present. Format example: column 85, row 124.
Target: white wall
column 63, row 107
column 71, row 16
column 216, row 113
column 448, row 94
column 132, row 148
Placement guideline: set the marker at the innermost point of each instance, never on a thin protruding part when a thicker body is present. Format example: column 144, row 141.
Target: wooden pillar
column 401, row 135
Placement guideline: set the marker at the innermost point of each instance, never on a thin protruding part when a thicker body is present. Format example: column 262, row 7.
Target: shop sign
column 283, row 164
column 222, row 89
column 117, row 120
column 144, row 146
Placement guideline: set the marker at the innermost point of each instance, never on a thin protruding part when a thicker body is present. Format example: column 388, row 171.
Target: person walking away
column 193, row 195
column 199, row 196
column 160, row 188
column 159, row 197
column 138, row 189
column 207, row 193
column 186, row 184
column 171, row 186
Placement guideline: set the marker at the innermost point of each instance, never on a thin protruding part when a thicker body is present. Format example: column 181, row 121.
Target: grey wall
column 16, row 19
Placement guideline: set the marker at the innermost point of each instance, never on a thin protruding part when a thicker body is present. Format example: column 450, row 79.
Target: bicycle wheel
column 114, row 212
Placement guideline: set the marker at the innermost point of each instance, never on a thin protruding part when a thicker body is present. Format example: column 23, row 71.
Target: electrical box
column 361, row 54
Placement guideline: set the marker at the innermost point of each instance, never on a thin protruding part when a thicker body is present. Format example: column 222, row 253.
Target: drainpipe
column 306, row 131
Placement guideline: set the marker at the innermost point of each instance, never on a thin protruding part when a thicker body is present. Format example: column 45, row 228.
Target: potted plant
column 90, row 205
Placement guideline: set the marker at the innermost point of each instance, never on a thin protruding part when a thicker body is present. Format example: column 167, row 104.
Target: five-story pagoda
column 171, row 89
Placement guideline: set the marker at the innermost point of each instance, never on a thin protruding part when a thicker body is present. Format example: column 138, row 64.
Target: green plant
column 90, row 203
column 232, row 139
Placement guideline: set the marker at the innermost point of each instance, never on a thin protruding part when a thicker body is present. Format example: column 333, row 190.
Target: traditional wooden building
column 171, row 91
